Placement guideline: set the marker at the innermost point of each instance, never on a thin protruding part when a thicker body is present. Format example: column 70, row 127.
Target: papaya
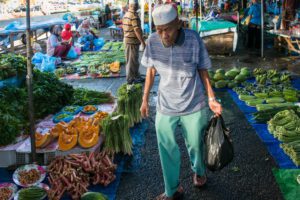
column 221, row 71
column 221, row 84
column 219, row 76
column 240, row 78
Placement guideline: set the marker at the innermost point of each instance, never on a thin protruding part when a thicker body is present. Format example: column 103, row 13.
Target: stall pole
column 196, row 9
column 150, row 17
column 143, row 14
column 200, row 9
column 29, row 83
column 262, row 28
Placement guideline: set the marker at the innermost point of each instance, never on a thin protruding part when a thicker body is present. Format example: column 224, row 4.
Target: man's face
column 168, row 33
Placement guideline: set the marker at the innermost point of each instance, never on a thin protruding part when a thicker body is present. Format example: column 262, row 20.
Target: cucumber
column 246, row 97
column 275, row 100
column 254, row 102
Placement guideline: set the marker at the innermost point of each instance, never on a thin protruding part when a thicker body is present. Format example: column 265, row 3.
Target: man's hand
column 215, row 107
column 144, row 109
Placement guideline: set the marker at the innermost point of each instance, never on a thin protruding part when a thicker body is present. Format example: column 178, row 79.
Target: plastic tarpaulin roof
column 211, row 25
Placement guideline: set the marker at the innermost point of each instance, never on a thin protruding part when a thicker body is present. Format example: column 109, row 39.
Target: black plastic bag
column 219, row 147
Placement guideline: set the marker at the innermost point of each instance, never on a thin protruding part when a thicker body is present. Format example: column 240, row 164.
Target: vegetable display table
column 286, row 40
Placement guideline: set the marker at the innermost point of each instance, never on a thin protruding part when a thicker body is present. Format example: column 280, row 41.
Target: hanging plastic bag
column 48, row 64
column 219, row 148
column 72, row 54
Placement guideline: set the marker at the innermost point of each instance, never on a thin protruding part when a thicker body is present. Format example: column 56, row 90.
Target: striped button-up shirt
column 131, row 21
column 181, row 90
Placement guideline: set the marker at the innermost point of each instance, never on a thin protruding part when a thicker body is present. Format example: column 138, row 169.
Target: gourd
column 58, row 129
column 89, row 137
column 114, row 67
column 68, row 139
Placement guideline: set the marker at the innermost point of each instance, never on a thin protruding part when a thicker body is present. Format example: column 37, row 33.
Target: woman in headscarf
column 55, row 47
column 84, row 30
column 66, row 34
column 86, row 34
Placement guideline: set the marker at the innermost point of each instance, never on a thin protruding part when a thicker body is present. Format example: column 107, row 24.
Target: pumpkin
column 114, row 67
column 42, row 140
column 58, row 129
column 89, row 137
column 67, row 140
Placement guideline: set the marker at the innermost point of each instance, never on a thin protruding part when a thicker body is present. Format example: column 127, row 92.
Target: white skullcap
column 133, row 1
column 164, row 14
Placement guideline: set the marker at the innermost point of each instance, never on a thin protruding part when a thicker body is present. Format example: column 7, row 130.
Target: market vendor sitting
column 85, row 33
column 56, row 47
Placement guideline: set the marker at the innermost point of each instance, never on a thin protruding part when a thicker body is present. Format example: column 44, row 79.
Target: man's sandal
column 178, row 195
column 199, row 181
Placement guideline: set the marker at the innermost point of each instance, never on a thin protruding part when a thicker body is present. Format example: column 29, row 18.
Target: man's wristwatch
column 211, row 99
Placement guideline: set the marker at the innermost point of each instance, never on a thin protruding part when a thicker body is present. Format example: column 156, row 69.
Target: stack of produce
column 84, row 132
column 117, row 137
column 83, row 97
column 96, row 63
column 11, row 65
column 113, row 46
column 74, row 173
column 266, row 97
column 49, row 94
column 272, row 76
column 285, row 126
column 129, row 102
column 230, row 79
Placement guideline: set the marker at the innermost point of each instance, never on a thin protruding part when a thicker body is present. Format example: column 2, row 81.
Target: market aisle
column 249, row 176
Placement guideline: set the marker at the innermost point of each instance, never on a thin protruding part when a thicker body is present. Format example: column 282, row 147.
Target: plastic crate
column 8, row 158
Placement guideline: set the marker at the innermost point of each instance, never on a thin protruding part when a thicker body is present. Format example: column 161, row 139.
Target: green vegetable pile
column 230, row 79
column 32, row 193
column 268, row 96
column 83, row 97
column 97, row 59
column 113, row 46
column 13, row 117
column 129, row 102
column 11, row 65
column 50, row 95
column 117, row 136
column 285, row 126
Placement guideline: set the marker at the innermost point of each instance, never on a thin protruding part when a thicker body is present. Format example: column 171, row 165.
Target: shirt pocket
column 187, row 70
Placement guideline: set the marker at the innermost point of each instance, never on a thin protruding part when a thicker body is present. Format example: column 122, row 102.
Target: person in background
column 179, row 8
column 66, row 34
column 133, row 37
column 54, row 46
column 254, row 33
column 180, row 58
column 107, row 11
column 85, row 33
column 288, row 13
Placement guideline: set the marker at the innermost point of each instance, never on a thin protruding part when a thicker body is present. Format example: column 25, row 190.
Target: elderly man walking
column 181, row 59
column 133, row 37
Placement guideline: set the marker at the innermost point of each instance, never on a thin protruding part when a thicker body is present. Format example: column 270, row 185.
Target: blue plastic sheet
column 271, row 143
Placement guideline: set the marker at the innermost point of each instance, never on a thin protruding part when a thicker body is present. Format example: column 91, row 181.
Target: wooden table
column 286, row 40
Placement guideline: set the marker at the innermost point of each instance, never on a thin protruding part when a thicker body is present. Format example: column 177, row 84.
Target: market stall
column 36, row 27
column 69, row 134
column 269, row 100
column 220, row 36
column 287, row 40
column 95, row 64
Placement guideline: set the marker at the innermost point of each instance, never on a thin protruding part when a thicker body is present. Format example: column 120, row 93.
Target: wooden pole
column 262, row 28
column 29, row 83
